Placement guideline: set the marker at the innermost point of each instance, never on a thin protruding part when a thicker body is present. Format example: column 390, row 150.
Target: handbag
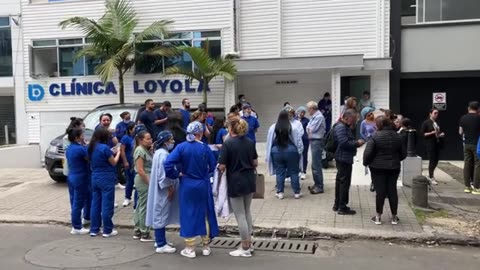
column 260, row 186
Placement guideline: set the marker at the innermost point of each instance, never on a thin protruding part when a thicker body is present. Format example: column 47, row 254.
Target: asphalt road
column 46, row 247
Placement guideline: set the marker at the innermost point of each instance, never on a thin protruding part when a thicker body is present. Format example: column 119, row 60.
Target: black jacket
column 384, row 150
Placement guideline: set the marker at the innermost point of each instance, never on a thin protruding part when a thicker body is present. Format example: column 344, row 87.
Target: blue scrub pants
column 103, row 197
column 130, row 176
column 87, row 194
column 160, row 237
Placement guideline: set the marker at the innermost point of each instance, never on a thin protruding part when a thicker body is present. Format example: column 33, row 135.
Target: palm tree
column 114, row 42
column 206, row 68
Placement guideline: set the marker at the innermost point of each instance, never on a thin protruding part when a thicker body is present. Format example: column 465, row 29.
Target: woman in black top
column 239, row 158
column 383, row 154
column 433, row 136
column 175, row 125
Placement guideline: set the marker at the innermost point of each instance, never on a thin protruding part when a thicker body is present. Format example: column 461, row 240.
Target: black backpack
column 330, row 143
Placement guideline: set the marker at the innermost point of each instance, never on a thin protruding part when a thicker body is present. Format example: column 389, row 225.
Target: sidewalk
column 29, row 195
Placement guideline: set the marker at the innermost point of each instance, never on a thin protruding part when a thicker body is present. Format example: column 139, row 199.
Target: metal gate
column 7, row 118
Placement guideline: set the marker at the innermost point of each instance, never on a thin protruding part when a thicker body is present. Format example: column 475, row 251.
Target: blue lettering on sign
column 36, row 92
column 175, row 86
column 53, row 89
column 150, row 86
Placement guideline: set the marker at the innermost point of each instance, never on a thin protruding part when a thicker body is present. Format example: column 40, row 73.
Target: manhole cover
column 12, row 184
column 85, row 252
column 269, row 245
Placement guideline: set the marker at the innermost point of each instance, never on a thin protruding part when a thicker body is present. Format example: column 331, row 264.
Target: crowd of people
column 169, row 159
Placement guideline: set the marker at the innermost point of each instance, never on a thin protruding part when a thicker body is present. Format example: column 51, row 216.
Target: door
column 7, row 119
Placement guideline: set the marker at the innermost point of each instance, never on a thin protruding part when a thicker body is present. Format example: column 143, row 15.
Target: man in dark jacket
column 346, row 150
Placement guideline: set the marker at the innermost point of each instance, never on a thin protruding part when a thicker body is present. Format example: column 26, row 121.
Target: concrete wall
column 22, row 156
column 441, row 48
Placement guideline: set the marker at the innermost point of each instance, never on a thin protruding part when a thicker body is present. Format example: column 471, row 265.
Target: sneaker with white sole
column 92, row 234
column 433, row 181
column 303, row 176
column 126, row 203
column 395, row 220
column 115, row 205
column 146, row 237
column 85, row 222
column 240, row 252
column 166, row 250
column 298, row 196
column 81, row 231
column 279, row 195
column 476, row 191
column 188, row 253
column 108, row 235
column 206, row 251
column 120, row 186
column 377, row 220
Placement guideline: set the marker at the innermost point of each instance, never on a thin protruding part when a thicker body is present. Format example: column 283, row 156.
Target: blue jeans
column 130, row 176
column 103, row 197
column 306, row 144
column 160, row 237
column 286, row 163
column 317, row 149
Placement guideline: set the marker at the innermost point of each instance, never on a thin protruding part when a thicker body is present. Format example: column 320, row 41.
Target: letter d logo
column 35, row 92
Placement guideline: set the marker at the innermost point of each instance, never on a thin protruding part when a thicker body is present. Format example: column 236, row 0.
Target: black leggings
column 385, row 182
column 433, row 157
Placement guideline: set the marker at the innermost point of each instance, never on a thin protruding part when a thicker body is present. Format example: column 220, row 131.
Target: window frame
column 9, row 27
column 440, row 21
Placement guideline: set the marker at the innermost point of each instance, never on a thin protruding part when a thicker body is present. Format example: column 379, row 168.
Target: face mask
column 246, row 114
column 126, row 121
column 170, row 146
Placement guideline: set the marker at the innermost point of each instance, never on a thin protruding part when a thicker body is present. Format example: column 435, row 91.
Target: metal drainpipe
column 236, row 11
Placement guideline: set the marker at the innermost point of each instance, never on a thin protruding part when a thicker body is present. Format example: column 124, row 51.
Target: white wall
column 287, row 28
column 441, row 48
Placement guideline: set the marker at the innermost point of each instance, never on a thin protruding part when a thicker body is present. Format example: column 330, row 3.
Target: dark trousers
column 471, row 167
column 433, row 157
column 342, row 184
column 306, row 144
column 385, row 182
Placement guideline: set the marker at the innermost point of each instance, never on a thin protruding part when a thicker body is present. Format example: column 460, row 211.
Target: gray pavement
column 38, row 247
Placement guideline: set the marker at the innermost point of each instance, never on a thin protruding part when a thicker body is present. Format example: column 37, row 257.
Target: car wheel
column 58, row 178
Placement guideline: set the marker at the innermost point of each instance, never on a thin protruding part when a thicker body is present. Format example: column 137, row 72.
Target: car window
column 91, row 120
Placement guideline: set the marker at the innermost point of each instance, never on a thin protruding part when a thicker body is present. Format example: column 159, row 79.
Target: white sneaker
column 115, row 205
column 287, row 179
column 303, row 176
column 188, row 253
column 81, row 231
column 298, row 196
column 85, row 222
column 166, row 250
column 240, row 252
column 206, row 251
column 280, row 195
column 107, row 235
column 433, row 181
column 126, row 203
column 120, row 186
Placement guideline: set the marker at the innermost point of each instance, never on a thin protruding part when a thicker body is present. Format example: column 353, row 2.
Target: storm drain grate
column 12, row 184
column 268, row 245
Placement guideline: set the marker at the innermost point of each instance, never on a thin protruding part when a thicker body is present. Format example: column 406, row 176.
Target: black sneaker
column 377, row 220
column 335, row 208
column 346, row 211
column 395, row 220
column 146, row 238
column 137, row 235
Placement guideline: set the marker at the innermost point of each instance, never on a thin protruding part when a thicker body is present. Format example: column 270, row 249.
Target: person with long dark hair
column 383, row 154
column 239, row 158
column 78, row 179
column 433, row 137
column 194, row 163
column 174, row 125
column 103, row 160
column 284, row 147
column 126, row 148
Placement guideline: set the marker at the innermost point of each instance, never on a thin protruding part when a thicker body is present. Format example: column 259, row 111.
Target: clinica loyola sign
column 37, row 92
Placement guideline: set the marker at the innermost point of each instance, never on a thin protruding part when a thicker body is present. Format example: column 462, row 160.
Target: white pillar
column 229, row 94
column 336, row 94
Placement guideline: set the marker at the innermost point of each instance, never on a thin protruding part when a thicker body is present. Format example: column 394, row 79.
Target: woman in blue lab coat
column 103, row 160
column 78, row 178
column 197, row 211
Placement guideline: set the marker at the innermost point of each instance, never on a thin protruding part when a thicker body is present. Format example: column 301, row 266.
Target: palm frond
column 161, row 51
column 200, row 57
column 120, row 19
column 187, row 72
column 225, row 68
column 106, row 69
column 156, row 30
column 90, row 52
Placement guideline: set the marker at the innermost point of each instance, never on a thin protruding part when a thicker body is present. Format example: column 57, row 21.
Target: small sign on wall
column 440, row 101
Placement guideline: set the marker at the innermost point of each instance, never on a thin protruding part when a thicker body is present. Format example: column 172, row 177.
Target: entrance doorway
column 7, row 119
column 354, row 86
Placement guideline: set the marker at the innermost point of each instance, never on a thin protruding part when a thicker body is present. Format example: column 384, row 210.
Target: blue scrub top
column 219, row 139
column 121, row 130
column 76, row 155
column 128, row 142
column 185, row 117
column 159, row 114
column 253, row 125
column 99, row 159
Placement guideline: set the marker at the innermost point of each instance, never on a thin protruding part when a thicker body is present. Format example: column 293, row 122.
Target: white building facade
column 289, row 50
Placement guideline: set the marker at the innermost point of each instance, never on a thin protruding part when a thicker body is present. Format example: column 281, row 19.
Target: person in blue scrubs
column 122, row 127
column 216, row 138
column 103, row 160
column 105, row 121
column 78, row 178
column 197, row 210
column 162, row 203
column 252, row 121
column 185, row 111
column 127, row 144
column 201, row 116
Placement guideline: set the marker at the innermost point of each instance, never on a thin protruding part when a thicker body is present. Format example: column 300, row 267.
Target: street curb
column 426, row 238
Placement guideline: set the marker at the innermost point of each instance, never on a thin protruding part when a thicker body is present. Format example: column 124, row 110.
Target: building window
column 149, row 64
column 56, row 57
column 447, row 10
column 5, row 47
